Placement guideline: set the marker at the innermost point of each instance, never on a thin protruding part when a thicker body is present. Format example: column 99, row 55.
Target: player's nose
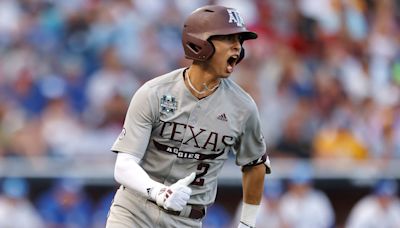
column 237, row 45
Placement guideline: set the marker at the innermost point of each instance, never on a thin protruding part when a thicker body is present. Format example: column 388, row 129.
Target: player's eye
column 230, row 38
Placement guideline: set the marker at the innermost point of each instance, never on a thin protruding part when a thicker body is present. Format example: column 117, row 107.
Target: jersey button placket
column 193, row 118
column 192, row 121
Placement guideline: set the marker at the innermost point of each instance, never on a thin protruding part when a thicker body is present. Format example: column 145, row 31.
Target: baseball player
column 180, row 128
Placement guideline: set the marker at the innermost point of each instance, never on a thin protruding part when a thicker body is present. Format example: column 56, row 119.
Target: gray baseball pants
column 130, row 210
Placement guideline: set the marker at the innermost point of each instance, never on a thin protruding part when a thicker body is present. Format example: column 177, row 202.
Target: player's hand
column 175, row 197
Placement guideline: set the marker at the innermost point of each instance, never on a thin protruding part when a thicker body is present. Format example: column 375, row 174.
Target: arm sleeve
column 251, row 144
column 138, row 123
column 129, row 173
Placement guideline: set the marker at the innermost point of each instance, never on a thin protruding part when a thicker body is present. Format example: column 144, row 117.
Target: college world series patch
column 168, row 104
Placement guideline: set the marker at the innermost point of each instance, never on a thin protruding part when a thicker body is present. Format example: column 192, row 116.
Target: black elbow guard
column 263, row 159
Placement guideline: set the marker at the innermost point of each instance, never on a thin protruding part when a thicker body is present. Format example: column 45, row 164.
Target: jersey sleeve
column 251, row 143
column 137, row 127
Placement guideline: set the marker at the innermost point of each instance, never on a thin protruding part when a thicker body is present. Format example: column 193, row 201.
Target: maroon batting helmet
column 208, row 21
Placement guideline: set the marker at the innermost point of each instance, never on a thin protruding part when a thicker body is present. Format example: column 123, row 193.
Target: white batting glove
column 175, row 197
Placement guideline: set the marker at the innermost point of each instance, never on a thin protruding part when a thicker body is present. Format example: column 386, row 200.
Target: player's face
column 227, row 51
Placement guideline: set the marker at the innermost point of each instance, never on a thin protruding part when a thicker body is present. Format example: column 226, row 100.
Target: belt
column 196, row 211
column 191, row 211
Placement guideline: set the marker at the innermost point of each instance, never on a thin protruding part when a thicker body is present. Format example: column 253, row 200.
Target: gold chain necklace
column 204, row 84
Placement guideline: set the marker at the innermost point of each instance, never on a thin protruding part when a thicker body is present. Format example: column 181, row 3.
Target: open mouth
column 232, row 60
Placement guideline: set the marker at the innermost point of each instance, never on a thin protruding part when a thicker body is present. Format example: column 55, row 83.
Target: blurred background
column 325, row 75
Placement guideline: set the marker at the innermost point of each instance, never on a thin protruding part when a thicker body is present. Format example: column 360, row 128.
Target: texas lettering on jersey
column 199, row 138
column 181, row 140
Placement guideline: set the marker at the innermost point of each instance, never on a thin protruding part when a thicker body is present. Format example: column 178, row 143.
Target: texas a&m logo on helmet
column 234, row 17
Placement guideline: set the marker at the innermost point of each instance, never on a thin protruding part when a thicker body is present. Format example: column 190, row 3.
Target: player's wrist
column 249, row 214
column 154, row 192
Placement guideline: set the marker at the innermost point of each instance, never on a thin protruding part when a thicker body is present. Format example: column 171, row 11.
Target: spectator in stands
column 379, row 209
column 16, row 211
column 302, row 205
column 335, row 138
column 25, row 141
column 340, row 144
column 25, row 91
column 65, row 205
column 294, row 141
column 61, row 128
column 110, row 79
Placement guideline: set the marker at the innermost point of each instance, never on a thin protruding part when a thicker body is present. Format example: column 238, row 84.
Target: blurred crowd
column 64, row 204
column 325, row 74
column 295, row 202
column 298, row 203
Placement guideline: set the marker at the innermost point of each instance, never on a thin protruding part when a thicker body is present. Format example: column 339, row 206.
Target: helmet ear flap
column 241, row 56
column 197, row 49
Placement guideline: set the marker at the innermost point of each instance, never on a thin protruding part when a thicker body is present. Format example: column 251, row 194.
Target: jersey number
column 203, row 168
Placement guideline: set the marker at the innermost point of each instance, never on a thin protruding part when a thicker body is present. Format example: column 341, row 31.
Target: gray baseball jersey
column 176, row 133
